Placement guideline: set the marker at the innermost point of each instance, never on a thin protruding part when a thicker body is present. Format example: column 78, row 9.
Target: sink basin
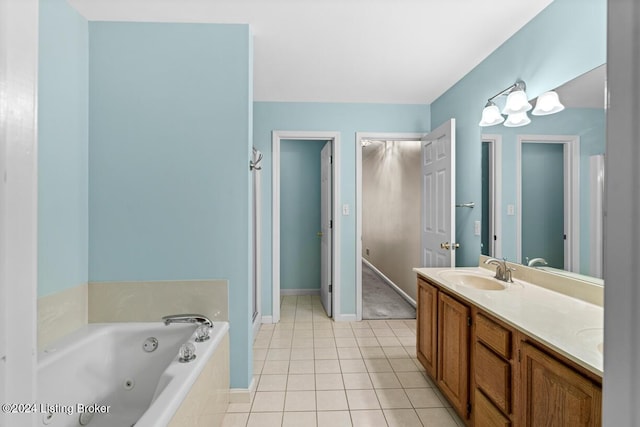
column 472, row 280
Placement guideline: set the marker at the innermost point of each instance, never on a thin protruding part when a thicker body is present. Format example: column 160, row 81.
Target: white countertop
column 570, row 326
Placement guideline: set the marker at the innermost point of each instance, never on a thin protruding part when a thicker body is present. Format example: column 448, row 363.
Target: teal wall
column 589, row 125
column 564, row 41
column 63, row 91
column 346, row 119
column 300, row 214
column 170, row 139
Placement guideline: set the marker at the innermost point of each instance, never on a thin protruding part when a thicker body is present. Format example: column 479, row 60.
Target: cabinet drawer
column 486, row 415
column 493, row 335
column 493, row 376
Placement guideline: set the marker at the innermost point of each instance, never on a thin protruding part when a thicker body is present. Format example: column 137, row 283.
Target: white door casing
column 438, row 195
column 326, row 230
column 495, row 193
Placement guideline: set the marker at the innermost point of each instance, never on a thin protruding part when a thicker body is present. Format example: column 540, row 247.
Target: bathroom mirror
column 543, row 184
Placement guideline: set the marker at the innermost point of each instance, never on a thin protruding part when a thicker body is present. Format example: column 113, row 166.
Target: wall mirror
column 542, row 184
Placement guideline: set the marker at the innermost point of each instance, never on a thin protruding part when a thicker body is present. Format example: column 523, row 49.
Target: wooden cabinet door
column 453, row 352
column 554, row 395
column 427, row 314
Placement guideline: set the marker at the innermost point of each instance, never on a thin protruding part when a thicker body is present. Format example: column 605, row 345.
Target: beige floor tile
column 383, row 332
column 423, row 398
column 327, row 367
column 299, row 419
column 372, row 353
column 268, row 401
column 260, row 353
column 443, row 399
column 384, row 380
column 411, row 350
column 362, row 399
column 378, row 365
column 334, row 419
column 257, row 367
column 329, row 382
column 265, row 419
column 393, row 398
column 279, row 354
column 346, row 342
column 272, row 383
column 301, row 382
column 239, row 407
column 331, row 400
column 303, row 333
column 324, row 342
column 342, row 325
column 405, row 333
column 363, row 333
column 325, row 353
column 360, row 325
column 300, row 401
column 349, row 353
column 357, row 381
column 349, row 366
column 303, row 326
column 262, row 343
column 343, row 333
column 237, row 420
column 301, row 367
column 323, row 333
column 436, row 417
column 402, row 418
column 413, row 380
column 403, row 365
column 378, row 324
column 368, row 342
column 370, row 418
column 281, row 334
column 304, row 353
column 272, row 367
column 407, row 341
column 455, row 416
column 389, row 341
column 395, row 352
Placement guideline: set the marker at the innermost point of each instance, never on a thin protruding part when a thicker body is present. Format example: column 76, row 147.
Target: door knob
column 449, row 246
column 319, row 234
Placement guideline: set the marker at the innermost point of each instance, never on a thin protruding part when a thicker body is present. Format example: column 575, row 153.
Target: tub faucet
column 503, row 271
column 187, row 318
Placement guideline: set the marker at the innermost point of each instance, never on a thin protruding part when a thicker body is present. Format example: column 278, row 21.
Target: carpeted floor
column 381, row 301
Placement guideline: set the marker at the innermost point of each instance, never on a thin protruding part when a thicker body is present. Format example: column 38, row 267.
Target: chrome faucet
column 503, row 271
column 536, row 261
column 187, row 318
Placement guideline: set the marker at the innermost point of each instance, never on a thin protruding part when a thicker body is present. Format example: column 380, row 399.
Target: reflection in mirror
column 553, row 178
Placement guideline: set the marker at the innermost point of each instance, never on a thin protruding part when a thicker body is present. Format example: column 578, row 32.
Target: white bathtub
column 105, row 368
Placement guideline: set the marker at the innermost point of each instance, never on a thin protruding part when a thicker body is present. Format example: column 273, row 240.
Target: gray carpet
column 381, row 301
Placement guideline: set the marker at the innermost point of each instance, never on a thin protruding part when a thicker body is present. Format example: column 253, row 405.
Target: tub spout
column 187, row 318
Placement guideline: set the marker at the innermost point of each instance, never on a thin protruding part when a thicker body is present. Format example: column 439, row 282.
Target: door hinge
column 330, row 288
column 331, row 159
column 469, row 321
column 495, row 237
column 330, row 223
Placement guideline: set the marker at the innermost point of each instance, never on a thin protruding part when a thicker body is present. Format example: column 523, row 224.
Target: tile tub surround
column 207, row 401
column 61, row 313
column 568, row 325
column 313, row 372
column 150, row 301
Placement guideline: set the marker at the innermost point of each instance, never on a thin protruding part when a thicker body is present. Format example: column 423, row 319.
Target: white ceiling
column 370, row 51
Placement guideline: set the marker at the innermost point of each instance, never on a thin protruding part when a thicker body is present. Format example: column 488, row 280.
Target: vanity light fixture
column 517, row 101
column 491, row 115
column 517, row 119
column 547, row 103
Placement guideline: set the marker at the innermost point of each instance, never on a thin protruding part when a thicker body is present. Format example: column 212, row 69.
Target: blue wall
column 63, row 91
column 300, row 214
column 564, row 41
column 170, row 138
column 346, row 119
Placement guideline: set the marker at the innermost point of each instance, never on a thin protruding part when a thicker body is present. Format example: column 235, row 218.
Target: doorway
column 324, row 239
column 491, row 222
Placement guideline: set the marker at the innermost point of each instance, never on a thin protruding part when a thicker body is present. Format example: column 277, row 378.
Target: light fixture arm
column 518, row 85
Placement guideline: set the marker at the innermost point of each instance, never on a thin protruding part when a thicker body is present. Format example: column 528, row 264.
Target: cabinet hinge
column 468, row 408
column 469, row 321
column 519, row 356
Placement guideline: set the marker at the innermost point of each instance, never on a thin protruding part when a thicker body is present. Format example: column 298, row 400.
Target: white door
column 326, row 288
column 438, row 195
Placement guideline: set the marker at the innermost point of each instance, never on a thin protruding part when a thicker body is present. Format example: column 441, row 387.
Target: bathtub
column 104, row 370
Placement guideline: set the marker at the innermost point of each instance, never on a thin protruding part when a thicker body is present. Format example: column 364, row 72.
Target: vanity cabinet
column 496, row 376
column 443, row 343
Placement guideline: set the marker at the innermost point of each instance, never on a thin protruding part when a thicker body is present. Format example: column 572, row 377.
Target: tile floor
column 311, row 371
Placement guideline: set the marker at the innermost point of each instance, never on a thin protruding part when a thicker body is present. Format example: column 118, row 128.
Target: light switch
column 511, row 210
column 476, row 228
column 345, row 209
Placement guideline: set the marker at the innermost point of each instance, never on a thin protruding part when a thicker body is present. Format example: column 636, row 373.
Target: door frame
column 334, row 138
column 571, row 153
column 257, row 239
column 495, row 196
column 396, row 136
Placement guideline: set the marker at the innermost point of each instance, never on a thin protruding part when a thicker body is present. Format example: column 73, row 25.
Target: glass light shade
column 517, row 102
column 491, row 116
column 547, row 103
column 517, row 120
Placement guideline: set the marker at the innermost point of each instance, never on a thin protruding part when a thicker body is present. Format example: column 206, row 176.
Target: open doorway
column 389, row 205
column 305, row 224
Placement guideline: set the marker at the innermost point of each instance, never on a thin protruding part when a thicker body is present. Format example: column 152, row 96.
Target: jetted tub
column 105, row 376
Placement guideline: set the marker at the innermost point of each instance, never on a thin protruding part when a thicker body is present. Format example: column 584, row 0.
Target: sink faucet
column 187, row 318
column 503, row 271
column 536, row 261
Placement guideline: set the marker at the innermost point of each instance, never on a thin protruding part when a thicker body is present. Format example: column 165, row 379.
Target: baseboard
column 267, row 319
column 299, row 291
column 345, row 318
column 395, row 287
column 242, row 395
